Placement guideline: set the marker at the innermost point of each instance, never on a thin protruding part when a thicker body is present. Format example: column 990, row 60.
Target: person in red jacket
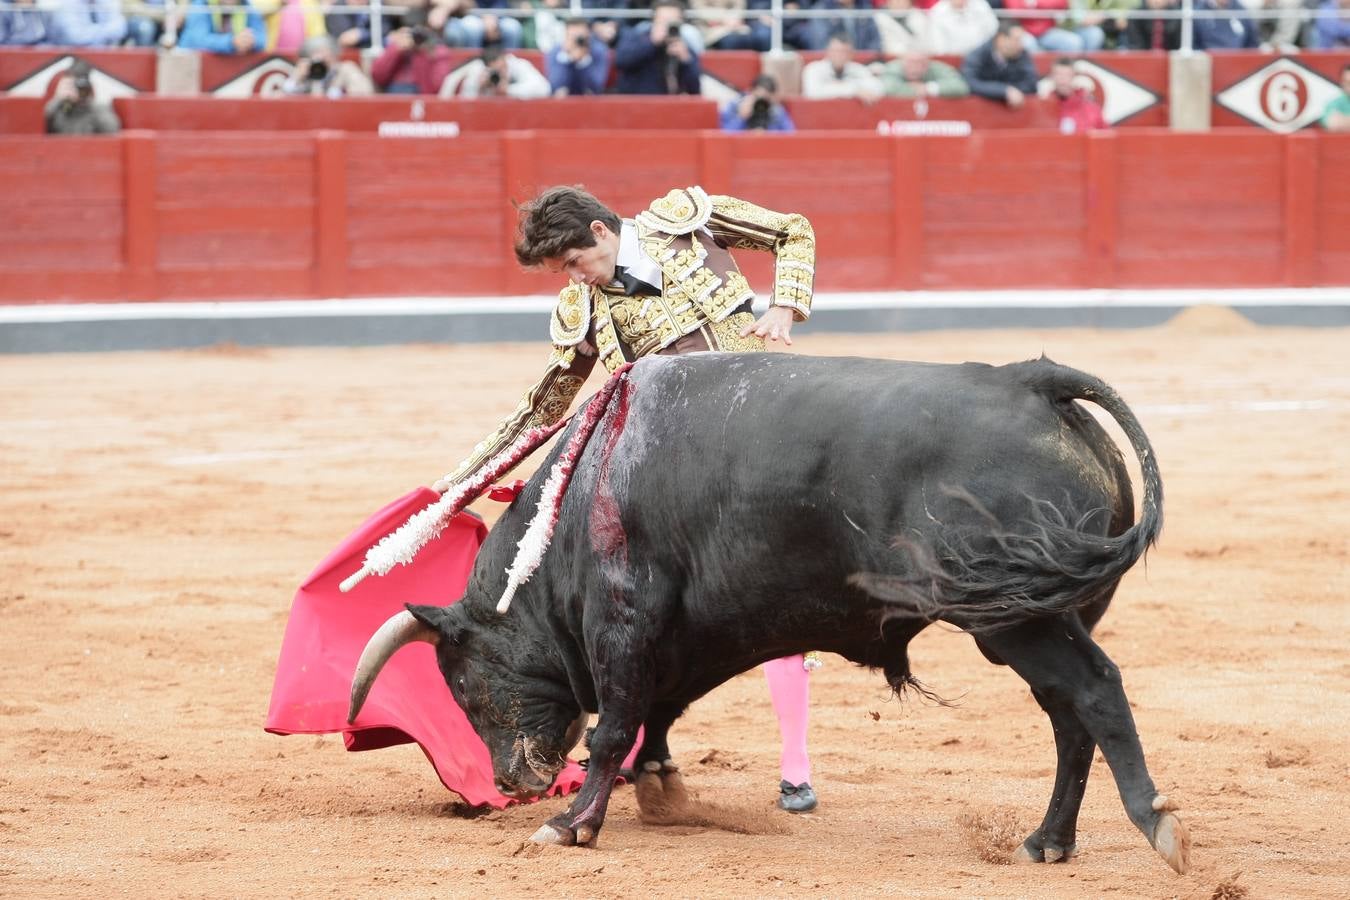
column 413, row 62
column 1078, row 106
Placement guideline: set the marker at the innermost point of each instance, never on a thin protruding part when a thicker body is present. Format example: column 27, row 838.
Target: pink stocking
column 790, row 690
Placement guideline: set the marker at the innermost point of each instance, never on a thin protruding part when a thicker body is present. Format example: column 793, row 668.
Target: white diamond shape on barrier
column 106, row 87
column 263, row 79
column 1121, row 98
column 1283, row 96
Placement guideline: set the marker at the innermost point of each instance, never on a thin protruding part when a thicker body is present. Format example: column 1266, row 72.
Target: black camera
column 495, row 78
column 581, row 42
column 318, row 70
column 759, row 114
column 673, row 34
column 422, row 35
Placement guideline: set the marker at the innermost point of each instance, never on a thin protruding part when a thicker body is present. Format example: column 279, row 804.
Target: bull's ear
column 435, row 618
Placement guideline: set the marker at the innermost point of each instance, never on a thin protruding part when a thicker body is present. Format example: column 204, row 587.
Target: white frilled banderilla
column 425, row 526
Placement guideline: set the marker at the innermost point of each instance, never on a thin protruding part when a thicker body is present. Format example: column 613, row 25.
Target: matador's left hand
column 774, row 325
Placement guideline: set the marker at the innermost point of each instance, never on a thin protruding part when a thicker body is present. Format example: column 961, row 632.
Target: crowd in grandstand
column 892, row 27
column 867, row 48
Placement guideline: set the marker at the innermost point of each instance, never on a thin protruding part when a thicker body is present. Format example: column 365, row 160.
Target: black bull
column 731, row 509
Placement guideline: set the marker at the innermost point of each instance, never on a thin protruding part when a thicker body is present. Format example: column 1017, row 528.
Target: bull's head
column 528, row 721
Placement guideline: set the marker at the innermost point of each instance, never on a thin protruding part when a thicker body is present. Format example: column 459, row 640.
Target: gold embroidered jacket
column 689, row 234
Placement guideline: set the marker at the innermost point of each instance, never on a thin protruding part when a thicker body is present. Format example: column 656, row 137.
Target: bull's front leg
column 615, row 732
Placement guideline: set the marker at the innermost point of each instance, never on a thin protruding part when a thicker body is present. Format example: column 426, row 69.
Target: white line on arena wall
column 533, row 305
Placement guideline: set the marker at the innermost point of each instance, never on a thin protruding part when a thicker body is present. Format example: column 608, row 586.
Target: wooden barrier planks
column 146, row 216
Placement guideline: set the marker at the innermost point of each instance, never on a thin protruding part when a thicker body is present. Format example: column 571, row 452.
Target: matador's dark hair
column 559, row 220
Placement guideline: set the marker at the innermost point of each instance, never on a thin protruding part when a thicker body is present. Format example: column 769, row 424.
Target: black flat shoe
column 796, row 799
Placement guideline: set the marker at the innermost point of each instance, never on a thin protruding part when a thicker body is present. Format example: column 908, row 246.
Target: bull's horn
column 402, row 628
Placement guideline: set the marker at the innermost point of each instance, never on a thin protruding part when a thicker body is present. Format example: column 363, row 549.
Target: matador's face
column 589, row 265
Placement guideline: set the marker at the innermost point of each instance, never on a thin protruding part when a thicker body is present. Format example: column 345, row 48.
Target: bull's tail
column 989, row 576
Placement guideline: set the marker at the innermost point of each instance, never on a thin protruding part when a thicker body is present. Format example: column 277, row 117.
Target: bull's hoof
column 1173, row 842
column 582, row 836
column 661, row 794
column 1036, row 850
column 547, row 834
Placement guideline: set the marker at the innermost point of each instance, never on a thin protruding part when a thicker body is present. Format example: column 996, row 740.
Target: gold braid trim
column 679, row 212
column 726, row 334
column 571, row 317
column 543, row 404
column 788, row 236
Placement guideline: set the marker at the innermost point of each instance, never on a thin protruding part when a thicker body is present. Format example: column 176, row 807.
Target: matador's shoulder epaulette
column 571, row 317
column 679, row 212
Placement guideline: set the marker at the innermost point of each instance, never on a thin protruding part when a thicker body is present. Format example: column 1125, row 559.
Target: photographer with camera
column 320, row 72
column 496, row 74
column 661, row 56
column 580, row 64
column 758, row 109
column 413, row 62
column 73, row 109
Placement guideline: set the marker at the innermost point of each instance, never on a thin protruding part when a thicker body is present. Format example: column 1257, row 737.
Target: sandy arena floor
column 160, row 508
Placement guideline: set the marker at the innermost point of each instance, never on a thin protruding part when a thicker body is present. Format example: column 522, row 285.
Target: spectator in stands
column 290, row 23
column 903, row 28
column 544, row 30
column 25, row 26
column 1155, row 32
column 798, row 32
column 352, row 29
column 861, row 31
column 1337, row 114
column 208, row 27
column 838, row 75
column 496, row 74
column 757, row 109
column 413, row 62
column 956, row 27
column 1046, row 34
column 1002, row 69
column 319, row 71
column 915, row 75
column 580, row 64
column 86, row 23
column 725, row 26
column 1331, row 31
column 1235, row 31
column 466, row 23
column 73, row 109
column 1280, row 33
column 656, row 57
column 1109, row 16
column 145, row 21
column 1078, row 106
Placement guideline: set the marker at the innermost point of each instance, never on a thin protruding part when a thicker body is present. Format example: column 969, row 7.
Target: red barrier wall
column 242, row 215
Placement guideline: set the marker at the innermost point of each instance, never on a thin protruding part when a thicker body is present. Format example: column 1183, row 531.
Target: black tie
column 632, row 285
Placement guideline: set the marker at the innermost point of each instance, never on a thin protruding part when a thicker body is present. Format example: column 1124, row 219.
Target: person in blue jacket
column 660, row 57
column 580, row 63
column 86, row 23
column 210, row 28
column 1232, row 32
column 757, row 109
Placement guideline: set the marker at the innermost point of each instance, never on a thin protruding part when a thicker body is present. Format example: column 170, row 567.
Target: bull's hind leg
column 660, row 786
column 1070, row 674
column 1057, row 837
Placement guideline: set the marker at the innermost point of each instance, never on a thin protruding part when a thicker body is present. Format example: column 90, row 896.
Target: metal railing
column 1187, row 13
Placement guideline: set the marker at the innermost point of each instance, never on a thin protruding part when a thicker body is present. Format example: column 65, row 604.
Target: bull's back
column 771, row 470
